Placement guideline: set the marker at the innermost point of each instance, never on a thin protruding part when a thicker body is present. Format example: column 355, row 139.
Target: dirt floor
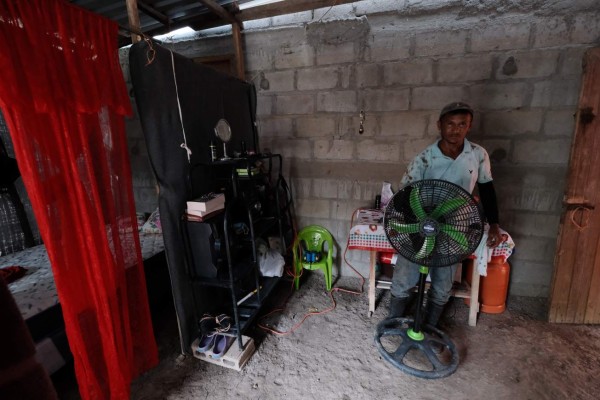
column 513, row 355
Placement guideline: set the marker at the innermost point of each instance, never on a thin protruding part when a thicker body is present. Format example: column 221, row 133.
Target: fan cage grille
column 467, row 219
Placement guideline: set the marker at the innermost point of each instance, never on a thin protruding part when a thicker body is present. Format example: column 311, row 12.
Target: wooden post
column 134, row 19
column 239, row 54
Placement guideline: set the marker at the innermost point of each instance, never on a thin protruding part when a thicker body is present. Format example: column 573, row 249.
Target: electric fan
column 435, row 224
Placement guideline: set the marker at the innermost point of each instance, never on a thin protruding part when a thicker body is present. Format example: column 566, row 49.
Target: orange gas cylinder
column 493, row 288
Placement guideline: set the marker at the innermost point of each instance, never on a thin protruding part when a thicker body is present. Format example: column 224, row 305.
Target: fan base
column 414, row 356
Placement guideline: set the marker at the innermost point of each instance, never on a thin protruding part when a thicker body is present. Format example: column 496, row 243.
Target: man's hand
column 494, row 236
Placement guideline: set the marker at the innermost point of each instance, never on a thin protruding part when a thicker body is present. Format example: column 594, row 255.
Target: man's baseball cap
column 456, row 106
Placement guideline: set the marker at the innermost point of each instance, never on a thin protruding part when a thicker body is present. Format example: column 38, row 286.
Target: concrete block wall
column 518, row 63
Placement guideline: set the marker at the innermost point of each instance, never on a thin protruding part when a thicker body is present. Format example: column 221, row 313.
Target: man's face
column 454, row 127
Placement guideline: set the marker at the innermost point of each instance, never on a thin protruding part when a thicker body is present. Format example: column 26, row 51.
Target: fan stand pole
column 415, row 333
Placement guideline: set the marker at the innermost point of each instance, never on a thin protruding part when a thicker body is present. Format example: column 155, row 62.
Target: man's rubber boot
column 398, row 306
column 434, row 312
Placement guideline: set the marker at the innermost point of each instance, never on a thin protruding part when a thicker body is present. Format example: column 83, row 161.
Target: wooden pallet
column 234, row 358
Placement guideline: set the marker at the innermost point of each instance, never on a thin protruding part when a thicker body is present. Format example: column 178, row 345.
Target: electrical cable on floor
column 330, row 293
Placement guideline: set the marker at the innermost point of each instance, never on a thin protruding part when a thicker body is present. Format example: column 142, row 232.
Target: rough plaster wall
column 517, row 62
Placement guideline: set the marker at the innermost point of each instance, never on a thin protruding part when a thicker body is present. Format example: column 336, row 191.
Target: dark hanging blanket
column 205, row 96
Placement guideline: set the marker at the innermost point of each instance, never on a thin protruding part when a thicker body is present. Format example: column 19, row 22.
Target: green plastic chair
column 311, row 253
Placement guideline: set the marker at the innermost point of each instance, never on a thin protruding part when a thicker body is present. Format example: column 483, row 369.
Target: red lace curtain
column 64, row 100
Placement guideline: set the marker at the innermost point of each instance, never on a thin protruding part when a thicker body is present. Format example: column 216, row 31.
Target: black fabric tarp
column 205, row 96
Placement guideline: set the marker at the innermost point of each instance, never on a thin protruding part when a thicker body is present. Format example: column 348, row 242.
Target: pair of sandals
column 212, row 338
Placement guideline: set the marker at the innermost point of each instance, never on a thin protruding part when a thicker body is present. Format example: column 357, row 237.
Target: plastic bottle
column 213, row 151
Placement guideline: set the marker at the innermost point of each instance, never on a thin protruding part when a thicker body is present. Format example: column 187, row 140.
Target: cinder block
column 464, row 69
column 533, row 64
column 317, row 78
column 288, row 148
column 532, row 199
column 325, row 188
column 346, row 76
column 497, row 149
column 405, row 123
column 367, row 75
column 551, row 31
column 535, row 224
column 258, row 59
column 294, row 56
column 413, row 72
column 499, row 95
column 297, row 18
column 256, row 24
column 341, row 11
column 334, row 149
column 315, row 127
column 546, row 151
column 264, row 105
column 501, row 36
column 571, row 61
column 300, row 187
column 377, row 6
column 440, row 42
column 556, row 93
column 436, row 97
column 529, row 289
column 279, row 81
column 259, row 53
column 276, row 127
column 386, row 46
column 385, row 99
column 295, row 104
column 372, row 151
column 559, row 123
column 586, row 27
column 533, row 248
column 348, row 189
column 512, row 122
column 335, row 54
column 530, row 271
column 350, row 126
column 342, row 210
column 337, row 101
column 312, row 208
column 411, row 148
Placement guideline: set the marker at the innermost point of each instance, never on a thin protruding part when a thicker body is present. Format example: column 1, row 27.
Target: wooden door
column 575, row 293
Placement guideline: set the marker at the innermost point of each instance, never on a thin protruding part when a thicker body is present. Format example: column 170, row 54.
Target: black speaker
column 205, row 247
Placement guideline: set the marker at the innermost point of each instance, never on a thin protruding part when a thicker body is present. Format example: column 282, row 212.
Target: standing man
column 454, row 159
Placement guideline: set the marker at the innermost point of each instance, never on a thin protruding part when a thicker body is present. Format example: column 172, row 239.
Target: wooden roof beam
column 154, row 13
column 220, row 11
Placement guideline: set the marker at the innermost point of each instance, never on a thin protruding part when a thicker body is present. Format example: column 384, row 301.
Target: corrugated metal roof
column 163, row 16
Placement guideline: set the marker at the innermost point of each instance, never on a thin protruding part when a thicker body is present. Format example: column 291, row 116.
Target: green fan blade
column 447, row 206
column 404, row 228
column 415, row 204
column 427, row 247
column 455, row 235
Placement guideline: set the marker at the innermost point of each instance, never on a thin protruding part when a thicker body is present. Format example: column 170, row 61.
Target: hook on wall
column 361, row 128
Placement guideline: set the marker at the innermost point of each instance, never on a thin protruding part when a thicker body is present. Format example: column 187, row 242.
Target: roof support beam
column 154, row 13
column 219, row 10
column 134, row 20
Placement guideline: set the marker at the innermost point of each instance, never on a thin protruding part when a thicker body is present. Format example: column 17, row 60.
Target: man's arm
column 487, row 193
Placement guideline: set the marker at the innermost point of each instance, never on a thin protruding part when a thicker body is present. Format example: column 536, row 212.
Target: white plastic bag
column 386, row 194
column 270, row 262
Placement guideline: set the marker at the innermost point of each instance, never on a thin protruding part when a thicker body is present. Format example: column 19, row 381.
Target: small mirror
column 223, row 132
